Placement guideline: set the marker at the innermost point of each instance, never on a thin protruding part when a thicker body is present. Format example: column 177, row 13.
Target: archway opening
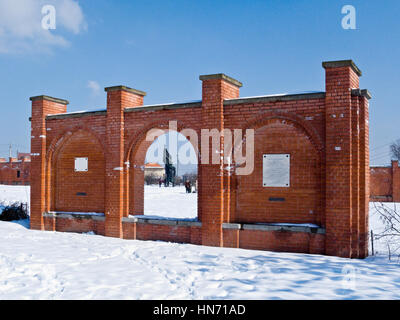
column 169, row 176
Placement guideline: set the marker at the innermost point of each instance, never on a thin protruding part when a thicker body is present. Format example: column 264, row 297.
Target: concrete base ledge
column 189, row 223
column 163, row 222
column 234, row 226
column 269, row 227
column 159, row 222
column 75, row 215
column 129, row 220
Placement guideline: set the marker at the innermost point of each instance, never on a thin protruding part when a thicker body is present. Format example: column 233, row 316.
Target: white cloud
column 94, row 86
column 70, row 15
column 21, row 25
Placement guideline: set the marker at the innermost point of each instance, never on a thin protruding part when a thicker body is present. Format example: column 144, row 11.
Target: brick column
column 341, row 78
column 118, row 98
column 216, row 88
column 364, row 175
column 355, row 172
column 396, row 181
column 41, row 107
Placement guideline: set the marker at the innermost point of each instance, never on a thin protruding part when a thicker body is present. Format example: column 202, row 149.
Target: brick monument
column 87, row 167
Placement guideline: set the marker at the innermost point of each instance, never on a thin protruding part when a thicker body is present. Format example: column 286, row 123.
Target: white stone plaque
column 276, row 170
column 81, row 164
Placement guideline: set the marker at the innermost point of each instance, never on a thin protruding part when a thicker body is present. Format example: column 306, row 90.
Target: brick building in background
column 90, row 162
column 155, row 170
column 16, row 171
column 385, row 183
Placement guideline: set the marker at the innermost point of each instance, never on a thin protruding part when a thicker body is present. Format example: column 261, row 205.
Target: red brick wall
column 76, row 225
column 326, row 135
column 381, row 184
column 231, row 238
column 211, row 175
column 302, row 200
column 385, row 183
column 40, row 162
column 161, row 231
column 80, row 191
column 283, row 241
column 9, row 172
column 58, row 134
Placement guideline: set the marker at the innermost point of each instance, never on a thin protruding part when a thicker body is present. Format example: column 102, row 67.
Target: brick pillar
column 118, row 98
column 341, row 78
column 355, row 173
column 216, row 88
column 364, row 193
column 395, row 181
column 41, row 107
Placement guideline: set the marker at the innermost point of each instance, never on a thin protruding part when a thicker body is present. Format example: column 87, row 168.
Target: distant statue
column 170, row 171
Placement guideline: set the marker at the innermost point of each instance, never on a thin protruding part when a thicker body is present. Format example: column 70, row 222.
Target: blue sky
column 162, row 47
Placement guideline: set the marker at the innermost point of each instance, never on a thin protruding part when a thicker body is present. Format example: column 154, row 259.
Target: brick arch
column 62, row 138
column 135, row 155
column 66, row 187
column 140, row 136
column 279, row 132
column 297, row 120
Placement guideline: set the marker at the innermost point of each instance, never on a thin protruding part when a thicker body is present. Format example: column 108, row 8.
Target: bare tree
column 395, row 149
column 151, row 178
column 390, row 218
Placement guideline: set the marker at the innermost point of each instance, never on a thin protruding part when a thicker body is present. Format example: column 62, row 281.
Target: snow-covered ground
column 381, row 246
column 170, row 202
column 52, row 265
column 11, row 194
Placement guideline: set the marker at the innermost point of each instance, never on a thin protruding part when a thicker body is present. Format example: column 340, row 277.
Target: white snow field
column 170, row 202
column 53, row 265
column 10, row 194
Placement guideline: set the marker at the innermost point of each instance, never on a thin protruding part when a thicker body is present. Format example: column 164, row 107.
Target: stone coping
column 276, row 98
column 273, row 227
column 290, row 228
column 342, row 63
column 48, row 98
column 361, row 93
column 76, row 114
column 162, row 221
column 168, row 106
column 221, row 76
column 187, row 222
column 103, row 112
column 125, row 88
column 234, row 226
column 75, row 215
column 198, row 104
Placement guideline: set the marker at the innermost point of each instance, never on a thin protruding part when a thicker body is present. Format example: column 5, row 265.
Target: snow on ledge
column 148, row 217
column 85, row 215
column 292, row 227
column 309, row 225
column 162, row 221
column 80, row 213
column 277, row 95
